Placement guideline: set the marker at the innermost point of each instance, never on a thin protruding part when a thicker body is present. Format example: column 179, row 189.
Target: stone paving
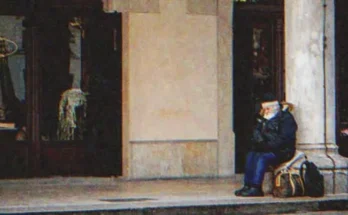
column 63, row 194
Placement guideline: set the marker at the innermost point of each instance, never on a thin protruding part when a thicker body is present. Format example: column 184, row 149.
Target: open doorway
column 258, row 64
column 71, row 93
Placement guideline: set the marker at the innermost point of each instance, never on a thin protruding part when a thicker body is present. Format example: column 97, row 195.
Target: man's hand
column 257, row 136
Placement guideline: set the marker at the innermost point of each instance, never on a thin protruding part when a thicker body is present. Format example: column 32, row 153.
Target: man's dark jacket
column 277, row 135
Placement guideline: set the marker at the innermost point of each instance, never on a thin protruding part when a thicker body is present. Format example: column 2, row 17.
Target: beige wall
column 172, row 70
column 173, row 159
column 177, row 87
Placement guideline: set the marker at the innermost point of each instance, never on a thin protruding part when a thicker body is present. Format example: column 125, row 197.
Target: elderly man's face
column 267, row 110
column 270, row 108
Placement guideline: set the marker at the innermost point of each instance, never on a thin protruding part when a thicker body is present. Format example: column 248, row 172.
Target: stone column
column 310, row 85
column 226, row 147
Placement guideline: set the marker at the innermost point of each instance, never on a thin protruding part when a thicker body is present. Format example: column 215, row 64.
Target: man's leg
column 250, row 165
column 264, row 160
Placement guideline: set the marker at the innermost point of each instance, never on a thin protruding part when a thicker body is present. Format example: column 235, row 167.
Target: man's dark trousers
column 256, row 167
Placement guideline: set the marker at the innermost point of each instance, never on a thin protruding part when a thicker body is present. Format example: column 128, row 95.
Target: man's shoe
column 253, row 191
column 239, row 191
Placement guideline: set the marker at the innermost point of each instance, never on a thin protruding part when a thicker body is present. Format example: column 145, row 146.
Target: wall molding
column 133, row 6
column 194, row 7
column 202, row 7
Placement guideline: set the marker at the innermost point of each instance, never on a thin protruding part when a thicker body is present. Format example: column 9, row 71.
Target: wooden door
column 258, row 66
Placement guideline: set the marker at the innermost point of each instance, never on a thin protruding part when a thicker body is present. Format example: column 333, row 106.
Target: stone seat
column 287, row 165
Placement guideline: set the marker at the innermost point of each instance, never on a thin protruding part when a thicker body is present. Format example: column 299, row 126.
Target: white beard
column 269, row 115
column 274, row 108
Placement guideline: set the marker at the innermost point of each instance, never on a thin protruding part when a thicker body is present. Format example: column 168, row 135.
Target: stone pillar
column 310, row 85
column 226, row 148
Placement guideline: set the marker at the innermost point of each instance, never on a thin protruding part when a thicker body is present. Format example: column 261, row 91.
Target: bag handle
column 293, row 186
column 304, row 163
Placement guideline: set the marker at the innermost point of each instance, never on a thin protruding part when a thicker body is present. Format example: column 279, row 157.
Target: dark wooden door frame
column 33, row 98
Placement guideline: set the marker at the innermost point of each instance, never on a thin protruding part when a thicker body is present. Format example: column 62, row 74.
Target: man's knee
column 267, row 159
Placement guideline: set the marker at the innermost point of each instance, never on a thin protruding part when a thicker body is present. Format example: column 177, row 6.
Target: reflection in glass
column 75, row 54
column 12, row 81
column 262, row 72
column 64, row 104
column 59, row 106
column 73, row 102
